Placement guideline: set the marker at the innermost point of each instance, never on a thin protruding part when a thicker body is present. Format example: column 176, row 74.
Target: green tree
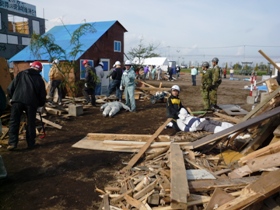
column 143, row 51
column 256, row 67
column 45, row 45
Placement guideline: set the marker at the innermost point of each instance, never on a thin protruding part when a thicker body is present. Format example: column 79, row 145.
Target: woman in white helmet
column 173, row 106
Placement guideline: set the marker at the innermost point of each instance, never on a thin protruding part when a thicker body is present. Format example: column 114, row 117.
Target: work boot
column 11, row 147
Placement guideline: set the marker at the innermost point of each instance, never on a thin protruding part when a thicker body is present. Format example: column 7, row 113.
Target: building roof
column 62, row 38
column 157, row 61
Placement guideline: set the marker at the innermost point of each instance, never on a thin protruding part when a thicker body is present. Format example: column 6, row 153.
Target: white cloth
column 112, row 108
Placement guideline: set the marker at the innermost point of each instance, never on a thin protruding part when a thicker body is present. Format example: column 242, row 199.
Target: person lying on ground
column 189, row 123
column 112, row 108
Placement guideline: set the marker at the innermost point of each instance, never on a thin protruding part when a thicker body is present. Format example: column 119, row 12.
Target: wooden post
column 179, row 182
column 270, row 61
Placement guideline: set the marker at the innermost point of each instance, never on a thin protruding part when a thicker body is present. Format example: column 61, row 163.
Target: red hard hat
column 38, row 65
column 85, row 62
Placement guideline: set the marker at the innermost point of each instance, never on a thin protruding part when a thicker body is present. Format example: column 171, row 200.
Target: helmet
column 117, row 63
column 205, row 64
column 38, row 65
column 101, row 63
column 85, row 62
column 175, row 87
column 216, row 60
column 128, row 63
column 56, row 61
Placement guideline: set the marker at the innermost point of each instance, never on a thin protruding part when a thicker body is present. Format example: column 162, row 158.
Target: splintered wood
column 181, row 175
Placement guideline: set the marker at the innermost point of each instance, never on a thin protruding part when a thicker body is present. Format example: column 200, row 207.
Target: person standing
column 193, row 74
column 116, row 76
column 56, row 78
column 231, row 72
column 27, row 92
column 216, row 81
column 170, row 73
column 100, row 74
column 158, row 73
column 90, row 82
column 146, row 72
column 178, row 70
column 3, row 104
column 206, row 84
column 128, row 84
column 153, row 72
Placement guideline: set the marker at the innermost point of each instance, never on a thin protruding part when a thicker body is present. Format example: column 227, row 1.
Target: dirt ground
column 56, row 176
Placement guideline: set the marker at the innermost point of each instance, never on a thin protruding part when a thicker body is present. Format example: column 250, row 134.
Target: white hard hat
column 117, row 63
column 175, row 87
column 56, row 61
column 128, row 63
column 101, row 63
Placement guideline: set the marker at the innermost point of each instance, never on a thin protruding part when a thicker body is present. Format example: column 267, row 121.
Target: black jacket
column 90, row 77
column 28, row 88
column 173, row 107
column 117, row 74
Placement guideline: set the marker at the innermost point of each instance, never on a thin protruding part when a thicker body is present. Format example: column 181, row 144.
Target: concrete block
column 75, row 110
column 254, row 93
column 250, row 99
column 263, row 96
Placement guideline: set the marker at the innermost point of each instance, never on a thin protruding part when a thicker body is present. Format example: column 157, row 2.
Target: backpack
column 3, row 102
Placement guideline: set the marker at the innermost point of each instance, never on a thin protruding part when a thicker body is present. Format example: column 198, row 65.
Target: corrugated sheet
column 62, row 36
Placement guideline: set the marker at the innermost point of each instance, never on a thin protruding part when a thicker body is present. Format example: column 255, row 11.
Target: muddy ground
column 56, row 176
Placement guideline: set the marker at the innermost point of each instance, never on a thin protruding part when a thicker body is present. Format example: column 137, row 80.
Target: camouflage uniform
column 216, row 81
column 206, row 81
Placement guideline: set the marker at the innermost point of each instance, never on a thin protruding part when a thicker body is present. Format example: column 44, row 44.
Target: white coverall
column 190, row 123
column 112, row 108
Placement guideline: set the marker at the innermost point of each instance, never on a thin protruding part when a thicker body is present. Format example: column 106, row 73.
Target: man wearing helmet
column 173, row 106
column 100, row 74
column 128, row 84
column 90, row 82
column 216, row 81
column 116, row 76
column 27, row 92
column 206, row 84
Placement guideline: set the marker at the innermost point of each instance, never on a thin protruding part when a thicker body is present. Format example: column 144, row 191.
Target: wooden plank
column 271, row 84
column 257, row 164
column 145, row 190
column 198, row 174
column 153, row 88
column 134, row 202
column 260, row 105
column 128, row 137
column 257, row 191
column 98, row 145
column 106, row 202
column 179, row 182
column 229, row 118
column 121, row 197
column 270, row 149
column 224, row 133
column 218, row 198
column 276, row 132
column 135, row 158
column 49, row 122
column 209, row 185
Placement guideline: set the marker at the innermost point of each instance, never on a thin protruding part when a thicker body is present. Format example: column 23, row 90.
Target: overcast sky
column 185, row 30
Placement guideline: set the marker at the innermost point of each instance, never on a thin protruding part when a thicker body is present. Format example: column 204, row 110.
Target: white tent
column 155, row 61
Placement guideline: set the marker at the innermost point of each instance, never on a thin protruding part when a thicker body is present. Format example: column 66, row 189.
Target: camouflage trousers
column 206, row 98
column 213, row 96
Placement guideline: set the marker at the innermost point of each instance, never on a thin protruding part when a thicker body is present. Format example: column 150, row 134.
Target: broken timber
column 49, row 122
column 179, row 182
column 135, row 158
column 235, row 128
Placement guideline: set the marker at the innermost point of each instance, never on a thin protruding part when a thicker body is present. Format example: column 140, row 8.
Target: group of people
column 27, row 93
column 149, row 72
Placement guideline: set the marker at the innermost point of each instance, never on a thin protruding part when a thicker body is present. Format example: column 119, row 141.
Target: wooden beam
column 270, row 149
column 179, row 182
column 49, row 122
column 209, row 185
column 270, row 61
column 257, row 191
column 124, row 137
column 260, row 105
column 257, row 164
column 133, row 202
column 135, row 158
column 229, row 118
column 153, row 88
column 224, row 133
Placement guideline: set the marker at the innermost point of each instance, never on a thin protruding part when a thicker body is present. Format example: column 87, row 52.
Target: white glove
column 124, row 73
column 86, row 85
column 121, row 87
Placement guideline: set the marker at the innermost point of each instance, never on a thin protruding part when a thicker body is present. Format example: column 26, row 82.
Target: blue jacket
column 128, row 78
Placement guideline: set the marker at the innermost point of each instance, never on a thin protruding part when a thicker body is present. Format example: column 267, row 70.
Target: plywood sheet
column 232, row 109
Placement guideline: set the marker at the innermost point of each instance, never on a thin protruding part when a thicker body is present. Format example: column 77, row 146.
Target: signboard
column 19, row 7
